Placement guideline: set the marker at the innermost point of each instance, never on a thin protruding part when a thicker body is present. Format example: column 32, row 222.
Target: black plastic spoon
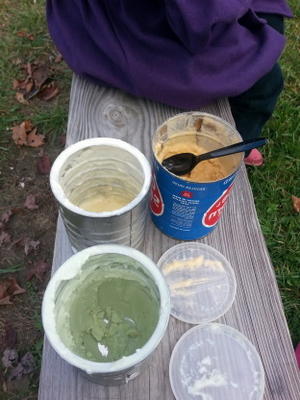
column 183, row 163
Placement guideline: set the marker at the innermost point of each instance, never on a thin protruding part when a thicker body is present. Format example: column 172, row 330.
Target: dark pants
column 252, row 109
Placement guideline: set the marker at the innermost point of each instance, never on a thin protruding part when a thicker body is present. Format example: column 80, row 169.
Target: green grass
column 275, row 183
column 49, row 117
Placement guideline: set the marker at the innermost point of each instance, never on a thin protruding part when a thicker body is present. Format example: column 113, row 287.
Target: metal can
column 102, row 167
column 66, row 281
column 184, row 209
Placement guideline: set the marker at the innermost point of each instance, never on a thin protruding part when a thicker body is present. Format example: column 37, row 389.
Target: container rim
column 200, row 114
column 229, row 330
column 68, row 270
column 58, row 191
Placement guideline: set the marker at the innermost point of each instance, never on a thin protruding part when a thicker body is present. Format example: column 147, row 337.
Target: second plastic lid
column 201, row 281
column 216, row 362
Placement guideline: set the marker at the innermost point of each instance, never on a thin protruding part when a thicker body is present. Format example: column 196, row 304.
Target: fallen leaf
column 30, row 245
column 39, row 75
column 9, row 287
column 48, row 92
column 62, row 140
column 28, row 363
column 27, row 125
column 21, row 34
column 35, row 139
column 14, row 288
column 18, row 384
column 16, row 372
column 28, row 88
column 44, row 164
column 28, row 69
column 19, row 135
column 17, row 61
column 38, row 270
column 58, row 58
column 17, row 84
column 5, row 301
column 10, row 358
column 30, row 202
column 296, row 203
column 5, row 217
column 21, row 99
column 10, row 336
column 26, row 35
column 4, row 238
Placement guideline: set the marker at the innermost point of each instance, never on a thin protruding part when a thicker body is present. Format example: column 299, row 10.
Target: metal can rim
column 65, row 154
column 68, row 270
column 200, row 114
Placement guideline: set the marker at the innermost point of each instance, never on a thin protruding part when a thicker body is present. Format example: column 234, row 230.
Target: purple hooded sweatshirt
column 185, row 53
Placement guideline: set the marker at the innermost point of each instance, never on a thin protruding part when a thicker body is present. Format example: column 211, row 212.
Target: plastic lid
column 216, row 362
column 201, row 281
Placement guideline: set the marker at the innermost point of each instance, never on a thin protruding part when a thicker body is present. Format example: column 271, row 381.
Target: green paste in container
column 109, row 310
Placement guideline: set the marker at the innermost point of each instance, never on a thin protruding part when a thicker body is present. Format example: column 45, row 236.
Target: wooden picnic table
column 257, row 311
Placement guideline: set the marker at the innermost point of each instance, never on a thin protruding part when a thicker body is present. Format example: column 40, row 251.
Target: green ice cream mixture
column 109, row 310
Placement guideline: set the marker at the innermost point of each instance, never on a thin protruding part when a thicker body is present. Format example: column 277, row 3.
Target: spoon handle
column 234, row 148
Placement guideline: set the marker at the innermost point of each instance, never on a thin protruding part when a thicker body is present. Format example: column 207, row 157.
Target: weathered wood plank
column 257, row 311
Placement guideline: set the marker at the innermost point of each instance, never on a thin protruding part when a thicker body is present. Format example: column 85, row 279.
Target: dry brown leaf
column 28, row 69
column 40, row 75
column 20, row 98
column 5, row 301
column 30, row 245
column 5, row 217
column 26, row 35
column 35, row 139
column 14, row 288
column 19, row 135
column 28, row 87
column 38, row 270
column 30, row 202
column 17, row 61
column 58, row 58
column 9, row 287
column 27, row 125
column 62, row 140
column 44, row 164
column 48, row 92
column 17, row 84
column 296, row 203
column 4, row 238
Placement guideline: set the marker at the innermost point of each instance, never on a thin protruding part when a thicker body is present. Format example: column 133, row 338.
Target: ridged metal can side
column 100, row 165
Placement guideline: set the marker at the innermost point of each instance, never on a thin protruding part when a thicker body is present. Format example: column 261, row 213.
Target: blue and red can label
column 186, row 210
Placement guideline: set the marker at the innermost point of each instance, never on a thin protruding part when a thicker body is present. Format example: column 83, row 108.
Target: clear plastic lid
column 201, row 281
column 216, row 362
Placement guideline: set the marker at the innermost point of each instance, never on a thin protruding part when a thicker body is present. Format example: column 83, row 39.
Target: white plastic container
column 126, row 368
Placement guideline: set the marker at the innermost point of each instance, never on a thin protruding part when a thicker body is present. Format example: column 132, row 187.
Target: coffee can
column 102, row 187
column 188, row 208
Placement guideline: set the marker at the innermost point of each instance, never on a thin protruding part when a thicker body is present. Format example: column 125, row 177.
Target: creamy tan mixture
column 205, row 171
column 108, row 201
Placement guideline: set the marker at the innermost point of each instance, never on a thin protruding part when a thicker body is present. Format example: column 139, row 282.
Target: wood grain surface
column 257, row 311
